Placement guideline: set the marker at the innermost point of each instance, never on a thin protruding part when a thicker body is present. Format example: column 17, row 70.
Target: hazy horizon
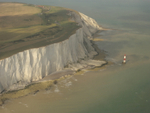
column 107, row 10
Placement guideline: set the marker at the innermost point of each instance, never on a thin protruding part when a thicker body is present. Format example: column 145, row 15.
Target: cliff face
column 88, row 24
column 34, row 64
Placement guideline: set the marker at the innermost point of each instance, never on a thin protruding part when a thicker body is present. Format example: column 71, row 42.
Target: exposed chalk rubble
column 86, row 64
column 31, row 65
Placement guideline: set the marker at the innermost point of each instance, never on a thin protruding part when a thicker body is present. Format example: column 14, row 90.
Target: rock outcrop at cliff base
column 30, row 65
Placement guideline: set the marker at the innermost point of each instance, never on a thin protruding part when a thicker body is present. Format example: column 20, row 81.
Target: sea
column 115, row 88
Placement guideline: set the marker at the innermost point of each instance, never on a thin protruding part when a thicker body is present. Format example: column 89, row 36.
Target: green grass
column 12, row 9
column 25, row 30
column 23, row 27
column 35, row 29
column 14, row 15
column 9, row 35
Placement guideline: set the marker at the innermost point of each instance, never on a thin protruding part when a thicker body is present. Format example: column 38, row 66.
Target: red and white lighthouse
column 124, row 59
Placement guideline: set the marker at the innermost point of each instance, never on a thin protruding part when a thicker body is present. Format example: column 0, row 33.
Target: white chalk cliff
column 31, row 65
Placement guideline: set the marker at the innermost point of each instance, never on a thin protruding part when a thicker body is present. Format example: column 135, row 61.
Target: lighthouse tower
column 124, row 59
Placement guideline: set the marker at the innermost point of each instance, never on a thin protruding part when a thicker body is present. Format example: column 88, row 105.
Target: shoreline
column 47, row 82
column 43, row 84
column 94, row 58
column 34, row 64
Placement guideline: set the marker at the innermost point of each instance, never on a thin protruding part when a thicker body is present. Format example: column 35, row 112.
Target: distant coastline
column 74, row 51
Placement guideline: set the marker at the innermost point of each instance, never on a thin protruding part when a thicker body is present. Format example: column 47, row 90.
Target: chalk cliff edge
column 31, row 65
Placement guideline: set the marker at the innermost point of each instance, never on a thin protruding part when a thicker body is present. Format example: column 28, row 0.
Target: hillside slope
column 24, row 26
column 30, row 65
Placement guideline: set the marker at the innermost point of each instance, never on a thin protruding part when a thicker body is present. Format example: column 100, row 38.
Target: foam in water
column 56, row 89
column 68, row 84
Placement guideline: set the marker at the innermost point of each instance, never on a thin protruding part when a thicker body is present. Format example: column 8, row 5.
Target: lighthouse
column 124, row 59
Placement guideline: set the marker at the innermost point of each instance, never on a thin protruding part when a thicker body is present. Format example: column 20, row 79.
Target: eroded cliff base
column 68, row 51
column 48, row 82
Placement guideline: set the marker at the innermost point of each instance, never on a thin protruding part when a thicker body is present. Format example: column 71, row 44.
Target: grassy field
column 12, row 9
column 24, row 26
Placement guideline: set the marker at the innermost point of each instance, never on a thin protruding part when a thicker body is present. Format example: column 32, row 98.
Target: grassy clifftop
column 25, row 26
